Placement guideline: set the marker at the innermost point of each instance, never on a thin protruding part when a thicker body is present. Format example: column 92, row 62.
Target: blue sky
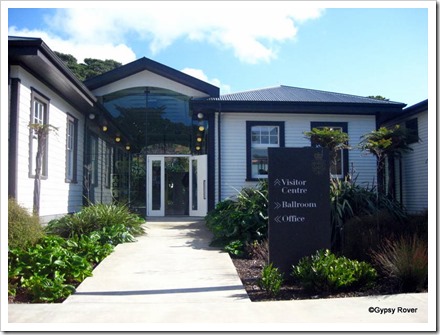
column 241, row 46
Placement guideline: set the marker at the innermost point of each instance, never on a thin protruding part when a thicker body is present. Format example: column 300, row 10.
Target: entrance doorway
column 176, row 185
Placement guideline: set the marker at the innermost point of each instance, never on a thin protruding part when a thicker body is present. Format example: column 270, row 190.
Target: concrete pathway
column 170, row 279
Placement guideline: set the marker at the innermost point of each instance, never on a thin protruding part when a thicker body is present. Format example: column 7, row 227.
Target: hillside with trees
column 90, row 68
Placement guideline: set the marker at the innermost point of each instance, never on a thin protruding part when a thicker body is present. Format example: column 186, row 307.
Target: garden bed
column 249, row 271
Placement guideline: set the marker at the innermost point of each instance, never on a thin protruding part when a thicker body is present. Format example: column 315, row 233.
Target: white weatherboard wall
column 233, row 145
column 57, row 196
column 415, row 169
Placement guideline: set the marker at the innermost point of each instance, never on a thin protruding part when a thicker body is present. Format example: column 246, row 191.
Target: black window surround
column 249, row 125
column 412, row 127
column 344, row 127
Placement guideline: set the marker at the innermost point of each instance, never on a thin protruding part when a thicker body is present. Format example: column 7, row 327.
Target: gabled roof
column 143, row 64
column 39, row 59
column 295, row 94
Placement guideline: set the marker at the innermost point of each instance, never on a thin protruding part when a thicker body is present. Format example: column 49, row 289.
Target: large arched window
column 157, row 120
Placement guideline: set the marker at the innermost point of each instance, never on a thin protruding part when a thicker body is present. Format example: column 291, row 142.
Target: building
column 411, row 169
column 159, row 140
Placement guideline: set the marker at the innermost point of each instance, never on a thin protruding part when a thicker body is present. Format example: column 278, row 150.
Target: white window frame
column 251, row 126
column 71, row 149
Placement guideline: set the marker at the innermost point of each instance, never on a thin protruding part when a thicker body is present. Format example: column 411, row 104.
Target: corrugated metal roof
column 295, row 94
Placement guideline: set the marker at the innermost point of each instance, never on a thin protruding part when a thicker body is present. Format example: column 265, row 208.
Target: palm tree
column 386, row 144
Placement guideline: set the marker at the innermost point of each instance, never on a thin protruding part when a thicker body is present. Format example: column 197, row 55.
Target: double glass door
column 176, row 185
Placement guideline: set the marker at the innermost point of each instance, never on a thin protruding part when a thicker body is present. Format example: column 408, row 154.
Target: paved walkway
column 170, row 279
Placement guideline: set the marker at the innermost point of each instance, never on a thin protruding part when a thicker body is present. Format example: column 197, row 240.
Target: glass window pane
column 259, row 162
column 264, row 131
column 264, row 139
column 336, row 167
column 274, row 140
column 274, row 131
column 156, row 187
column 194, row 185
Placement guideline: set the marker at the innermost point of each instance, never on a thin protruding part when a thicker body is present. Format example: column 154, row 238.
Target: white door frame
column 201, row 184
column 150, row 183
column 201, row 174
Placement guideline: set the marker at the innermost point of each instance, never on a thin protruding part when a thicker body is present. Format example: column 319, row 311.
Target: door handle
column 204, row 189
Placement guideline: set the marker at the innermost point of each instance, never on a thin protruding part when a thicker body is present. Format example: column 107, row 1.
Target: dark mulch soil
column 249, row 271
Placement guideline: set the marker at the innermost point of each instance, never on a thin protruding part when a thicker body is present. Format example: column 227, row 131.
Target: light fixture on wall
column 200, row 116
column 104, row 128
column 198, row 147
column 118, row 139
column 199, row 139
column 92, row 116
column 127, row 147
column 201, row 128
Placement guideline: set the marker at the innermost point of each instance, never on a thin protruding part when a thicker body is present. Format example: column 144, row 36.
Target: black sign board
column 299, row 204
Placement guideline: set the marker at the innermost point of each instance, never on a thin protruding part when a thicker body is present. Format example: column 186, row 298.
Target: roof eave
column 36, row 57
column 296, row 107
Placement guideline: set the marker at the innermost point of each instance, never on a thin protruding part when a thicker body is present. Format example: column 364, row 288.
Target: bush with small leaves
column 325, row 272
column 271, row 280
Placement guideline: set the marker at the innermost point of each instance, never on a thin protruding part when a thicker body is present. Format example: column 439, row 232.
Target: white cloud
column 199, row 74
column 253, row 31
column 80, row 50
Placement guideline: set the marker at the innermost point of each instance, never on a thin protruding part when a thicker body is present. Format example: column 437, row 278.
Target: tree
column 386, row 144
column 378, row 97
column 90, row 68
column 41, row 131
column 330, row 138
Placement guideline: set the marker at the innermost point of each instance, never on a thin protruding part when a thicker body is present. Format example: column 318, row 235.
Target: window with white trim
column 261, row 135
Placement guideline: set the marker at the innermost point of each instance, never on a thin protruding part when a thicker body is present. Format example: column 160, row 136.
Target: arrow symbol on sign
column 277, row 219
column 277, row 182
column 277, row 205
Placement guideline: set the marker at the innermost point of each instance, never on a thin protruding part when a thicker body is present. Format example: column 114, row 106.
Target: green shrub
column 325, row 272
column 405, row 259
column 244, row 219
column 362, row 234
column 24, row 230
column 95, row 218
column 90, row 247
column 271, row 280
column 235, row 248
column 350, row 200
column 48, row 270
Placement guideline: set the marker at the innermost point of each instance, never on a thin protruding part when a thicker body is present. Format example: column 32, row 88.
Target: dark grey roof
column 295, row 94
column 408, row 112
column 418, row 107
